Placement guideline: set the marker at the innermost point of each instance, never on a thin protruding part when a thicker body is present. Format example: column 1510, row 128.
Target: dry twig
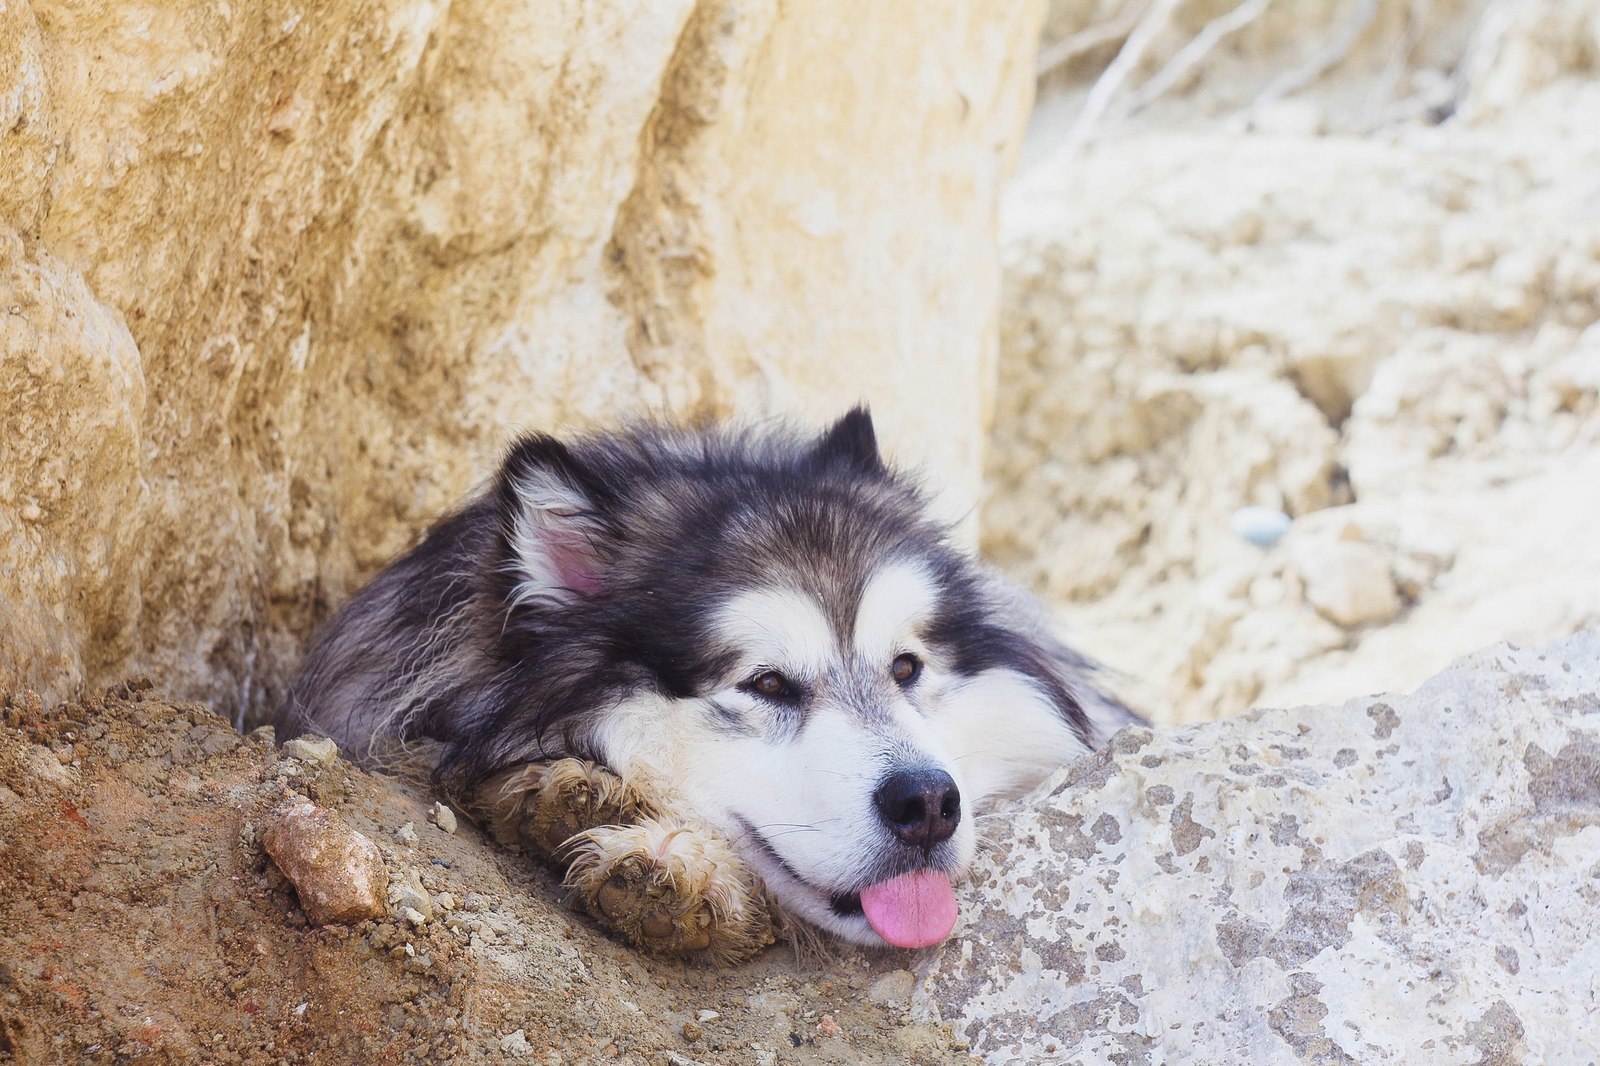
column 1193, row 53
column 1292, row 81
column 1128, row 58
column 1482, row 50
column 1111, row 31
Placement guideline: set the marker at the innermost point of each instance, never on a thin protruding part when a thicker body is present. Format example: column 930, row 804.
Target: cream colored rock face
column 1392, row 337
column 261, row 322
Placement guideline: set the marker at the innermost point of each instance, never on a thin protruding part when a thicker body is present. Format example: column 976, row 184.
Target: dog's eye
column 771, row 684
column 905, row 668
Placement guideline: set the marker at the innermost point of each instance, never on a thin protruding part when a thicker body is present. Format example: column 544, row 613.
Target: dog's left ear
column 554, row 539
column 851, row 442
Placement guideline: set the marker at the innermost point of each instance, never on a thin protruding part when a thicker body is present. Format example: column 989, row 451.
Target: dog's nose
column 921, row 806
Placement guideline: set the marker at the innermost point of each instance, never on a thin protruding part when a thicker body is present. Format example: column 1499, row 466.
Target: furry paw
column 671, row 889
column 544, row 805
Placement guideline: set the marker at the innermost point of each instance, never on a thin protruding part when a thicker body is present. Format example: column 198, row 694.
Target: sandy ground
column 143, row 923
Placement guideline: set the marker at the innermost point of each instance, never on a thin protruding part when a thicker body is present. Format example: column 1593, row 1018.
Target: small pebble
column 828, row 1027
column 406, row 893
column 893, row 989
column 406, row 834
column 707, row 1016
column 1261, row 526
column 516, row 1045
column 692, row 1031
column 443, row 817
column 319, row 751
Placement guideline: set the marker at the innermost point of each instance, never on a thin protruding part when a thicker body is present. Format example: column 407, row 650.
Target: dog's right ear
column 851, row 442
column 553, row 537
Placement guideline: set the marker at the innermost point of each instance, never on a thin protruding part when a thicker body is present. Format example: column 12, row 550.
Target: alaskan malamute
column 725, row 676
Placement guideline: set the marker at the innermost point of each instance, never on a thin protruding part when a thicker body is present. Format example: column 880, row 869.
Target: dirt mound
column 144, row 923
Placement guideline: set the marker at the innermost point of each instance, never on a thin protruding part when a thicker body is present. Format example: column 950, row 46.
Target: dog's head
column 772, row 631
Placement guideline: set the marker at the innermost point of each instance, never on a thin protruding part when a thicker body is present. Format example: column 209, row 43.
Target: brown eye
column 770, row 684
column 905, row 668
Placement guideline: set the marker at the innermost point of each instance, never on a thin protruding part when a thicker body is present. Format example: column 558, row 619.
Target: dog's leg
column 671, row 888
column 661, row 884
column 543, row 805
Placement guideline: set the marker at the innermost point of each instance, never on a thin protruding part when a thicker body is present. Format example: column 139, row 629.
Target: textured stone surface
column 278, row 281
column 337, row 873
column 1402, row 879
column 1384, row 327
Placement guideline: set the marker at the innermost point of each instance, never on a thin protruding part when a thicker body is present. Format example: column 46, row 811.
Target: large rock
column 278, row 281
column 1389, row 335
column 1401, row 879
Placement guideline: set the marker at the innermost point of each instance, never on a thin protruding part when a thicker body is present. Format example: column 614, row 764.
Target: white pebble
column 443, row 817
column 516, row 1044
column 318, row 750
column 1261, row 526
column 707, row 1016
column 406, row 834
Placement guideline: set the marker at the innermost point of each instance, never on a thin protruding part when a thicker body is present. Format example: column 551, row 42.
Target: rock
column 337, row 872
column 1196, row 318
column 893, row 989
column 443, row 817
column 515, row 1044
column 1348, row 582
column 1261, row 526
column 318, row 751
column 407, row 894
column 407, row 834
column 1330, row 884
column 421, row 228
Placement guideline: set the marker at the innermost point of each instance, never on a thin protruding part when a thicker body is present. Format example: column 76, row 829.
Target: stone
column 1398, row 879
column 409, row 232
column 515, row 1045
column 443, row 817
column 318, row 751
column 337, row 873
column 406, row 893
column 1349, row 583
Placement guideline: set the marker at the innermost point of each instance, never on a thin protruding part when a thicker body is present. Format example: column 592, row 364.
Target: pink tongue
column 912, row 911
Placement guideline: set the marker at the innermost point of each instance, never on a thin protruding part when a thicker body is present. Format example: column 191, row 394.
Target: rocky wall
column 279, row 280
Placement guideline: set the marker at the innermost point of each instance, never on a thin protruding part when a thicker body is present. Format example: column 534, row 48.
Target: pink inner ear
column 573, row 565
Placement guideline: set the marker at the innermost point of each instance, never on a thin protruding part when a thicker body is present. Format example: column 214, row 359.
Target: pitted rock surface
column 1412, row 879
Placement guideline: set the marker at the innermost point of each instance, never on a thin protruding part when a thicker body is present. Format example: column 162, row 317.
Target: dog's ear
column 851, row 442
column 553, row 534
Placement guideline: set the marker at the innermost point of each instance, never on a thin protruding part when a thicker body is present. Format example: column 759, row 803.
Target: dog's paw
column 670, row 889
column 544, row 805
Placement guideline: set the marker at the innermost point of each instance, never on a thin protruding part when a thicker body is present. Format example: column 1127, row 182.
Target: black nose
column 922, row 806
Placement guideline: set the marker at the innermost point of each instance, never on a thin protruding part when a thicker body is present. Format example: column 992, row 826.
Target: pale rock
column 337, row 872
column 318, row 751
column 1348, row 582
column 407, row 894
column 1399, row 879
column 443, row 817
column 893, row 989
column 515, row 1045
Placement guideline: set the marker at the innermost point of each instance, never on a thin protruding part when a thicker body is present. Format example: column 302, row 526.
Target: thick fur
column 618, row 599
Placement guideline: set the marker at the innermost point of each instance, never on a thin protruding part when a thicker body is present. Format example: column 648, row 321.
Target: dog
column 727, row 677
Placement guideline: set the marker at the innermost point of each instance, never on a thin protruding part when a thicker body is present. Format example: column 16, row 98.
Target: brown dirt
column 142, row 923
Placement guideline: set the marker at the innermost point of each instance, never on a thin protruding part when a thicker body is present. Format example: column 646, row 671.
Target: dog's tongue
column 913, row 910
